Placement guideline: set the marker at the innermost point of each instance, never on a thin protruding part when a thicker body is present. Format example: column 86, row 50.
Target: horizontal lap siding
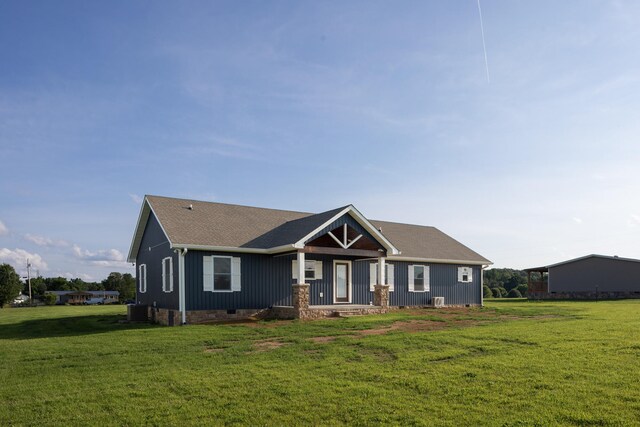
column 155, row 239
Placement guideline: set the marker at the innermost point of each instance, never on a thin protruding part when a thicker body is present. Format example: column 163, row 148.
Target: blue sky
column 313, row 105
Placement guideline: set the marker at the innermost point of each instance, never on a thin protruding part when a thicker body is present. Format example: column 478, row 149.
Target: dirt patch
column 322, row 340
column 268, row 345
column 213, row 350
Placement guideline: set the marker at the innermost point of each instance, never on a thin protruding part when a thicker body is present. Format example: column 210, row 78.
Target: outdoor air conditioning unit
column 437, row 302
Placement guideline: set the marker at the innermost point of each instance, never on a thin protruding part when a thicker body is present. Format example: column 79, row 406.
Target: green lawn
column 510, row 363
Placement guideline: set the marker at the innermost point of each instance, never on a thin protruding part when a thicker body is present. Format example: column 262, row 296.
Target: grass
column 511, row 363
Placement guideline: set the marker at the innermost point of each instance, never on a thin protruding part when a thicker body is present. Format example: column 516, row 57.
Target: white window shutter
column 294, row 269
column 373, row 270
column 427, row 285
column 235, row 274
column 207, row 273
column 411, row 284
column 470, row 276
column 170, row 274
column 318, row 267
column 164, row 279
column 460, row 270
column 143, row 278
column 390, row 279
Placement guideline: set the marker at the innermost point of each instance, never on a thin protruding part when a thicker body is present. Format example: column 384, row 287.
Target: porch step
column 345, row 313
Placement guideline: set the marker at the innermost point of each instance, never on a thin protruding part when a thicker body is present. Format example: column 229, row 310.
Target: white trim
column 389, row 278
column 213, row 276
column 181, row 286
column 138, row 238
column 426, row 285
column 284, row 248
column 142, row 278
column 360, row 219
column 437, row 261
column 462, row 270
column 301, row 268
column 317, row 270
column 349, row 283
column 169, row 280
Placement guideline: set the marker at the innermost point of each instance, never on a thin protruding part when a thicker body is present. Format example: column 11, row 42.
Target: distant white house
column 20, row 299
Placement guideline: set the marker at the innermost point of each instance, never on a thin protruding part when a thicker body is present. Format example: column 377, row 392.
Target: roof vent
column 615, row 256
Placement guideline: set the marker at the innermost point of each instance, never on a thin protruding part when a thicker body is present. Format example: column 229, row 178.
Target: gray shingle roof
column 197, row 223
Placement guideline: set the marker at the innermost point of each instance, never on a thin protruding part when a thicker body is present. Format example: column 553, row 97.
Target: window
column 312, row 270
column 419, row 278
column 221, row 273
column 389, row 273
column 465, row 274
column 142, row 278
column 167, row 274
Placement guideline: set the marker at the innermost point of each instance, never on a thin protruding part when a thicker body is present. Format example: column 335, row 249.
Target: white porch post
column 382, row 279
column 300, row 267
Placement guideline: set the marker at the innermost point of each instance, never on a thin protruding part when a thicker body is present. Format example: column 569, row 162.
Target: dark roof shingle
column 193, row 222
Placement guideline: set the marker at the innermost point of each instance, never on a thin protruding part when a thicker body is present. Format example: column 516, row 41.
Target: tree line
column 11, row 286
column 505, row 283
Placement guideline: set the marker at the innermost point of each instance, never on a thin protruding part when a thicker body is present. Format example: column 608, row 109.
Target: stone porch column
column 381, row 296
column 300, row 296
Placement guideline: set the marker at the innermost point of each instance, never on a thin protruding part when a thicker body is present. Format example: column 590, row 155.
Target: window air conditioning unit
column 437, row 302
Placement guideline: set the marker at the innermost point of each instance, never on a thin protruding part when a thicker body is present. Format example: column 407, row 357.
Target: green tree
column 487, row 292
column 38, row 287
column 514, row 293
column 49, row 298
column 496, row 292
column 523, row 289
column 57, row 284
column 78, row 285
column 10, row 285
column 123, row 283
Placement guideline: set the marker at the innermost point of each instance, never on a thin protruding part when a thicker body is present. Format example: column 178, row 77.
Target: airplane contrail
column 484, row 46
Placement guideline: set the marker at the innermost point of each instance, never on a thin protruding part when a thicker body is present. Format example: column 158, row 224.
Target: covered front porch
column 322, row 311
column 343, row 247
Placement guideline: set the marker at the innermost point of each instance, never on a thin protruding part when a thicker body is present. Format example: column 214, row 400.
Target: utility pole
column 29, row 280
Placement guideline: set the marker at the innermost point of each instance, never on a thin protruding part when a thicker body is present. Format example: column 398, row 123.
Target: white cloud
column 135, row 198
column 3, row 229
column 45, row 241
column 104, row 257
column 577, row 220
column 634, row 220
column 18, row 259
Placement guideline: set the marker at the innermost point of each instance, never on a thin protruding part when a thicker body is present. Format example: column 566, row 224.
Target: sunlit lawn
column 510, row 363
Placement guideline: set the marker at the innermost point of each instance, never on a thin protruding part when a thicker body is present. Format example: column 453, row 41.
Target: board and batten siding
column 608, row 275
column 266, row 281
column 155, row 239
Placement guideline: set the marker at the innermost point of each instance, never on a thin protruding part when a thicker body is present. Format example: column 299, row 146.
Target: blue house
column 199, row 261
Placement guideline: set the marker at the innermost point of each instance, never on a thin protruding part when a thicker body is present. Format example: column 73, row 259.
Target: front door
column 342, row 281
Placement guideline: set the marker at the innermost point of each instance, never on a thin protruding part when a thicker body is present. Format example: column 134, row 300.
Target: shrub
column 487, row 292
column 514, row 293
column 49, row 299
column 497, row 293
column 523, row 289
